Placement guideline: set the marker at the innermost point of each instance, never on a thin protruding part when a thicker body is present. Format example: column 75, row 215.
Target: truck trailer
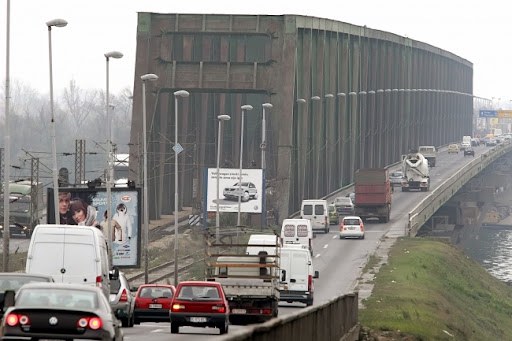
column 373, row 194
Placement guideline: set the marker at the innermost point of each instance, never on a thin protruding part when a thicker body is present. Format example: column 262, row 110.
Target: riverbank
column 428, row 289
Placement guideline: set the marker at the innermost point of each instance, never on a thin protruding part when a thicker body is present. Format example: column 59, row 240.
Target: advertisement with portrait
column 88, row 206
column 250, row 195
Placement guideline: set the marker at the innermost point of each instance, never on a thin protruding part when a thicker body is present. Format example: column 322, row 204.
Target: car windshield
column 57, row 298
column 156, row 292
column 14, row 283
column 397, row 174
column 351, row 221
column 343, row 201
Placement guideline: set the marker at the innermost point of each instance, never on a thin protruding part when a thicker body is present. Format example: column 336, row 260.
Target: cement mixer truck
column 416, row 172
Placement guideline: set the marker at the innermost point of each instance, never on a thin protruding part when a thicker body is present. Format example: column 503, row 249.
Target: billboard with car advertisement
column 250, row 192
column 88, row 206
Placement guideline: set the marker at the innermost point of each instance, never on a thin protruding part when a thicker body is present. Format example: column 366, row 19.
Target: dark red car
column 199, row 304
column 152, row 303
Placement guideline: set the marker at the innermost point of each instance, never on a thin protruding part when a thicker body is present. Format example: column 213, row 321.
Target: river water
column 493, row 250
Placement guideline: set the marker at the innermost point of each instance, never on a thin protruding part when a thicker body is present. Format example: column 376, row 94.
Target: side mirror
column 283, row 275
column 134, row 289
column 317, row 274
column 8, row 299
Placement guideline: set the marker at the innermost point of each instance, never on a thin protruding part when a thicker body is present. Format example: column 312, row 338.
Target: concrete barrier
column 336, row 319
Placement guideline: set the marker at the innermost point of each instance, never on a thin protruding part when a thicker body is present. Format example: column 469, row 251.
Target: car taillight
column 326, row 222
column 361, row 226
column 15, row 319
column 342, row 227
column 124, row 296
column 310, row 283
column 99, row 281
column 266, row 311
column 177, row 307
column 93, row 323
column 219, row 308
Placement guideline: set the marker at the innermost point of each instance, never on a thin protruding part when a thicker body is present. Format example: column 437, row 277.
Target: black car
column 17, row 230
column 59, row 311
column 469, row 151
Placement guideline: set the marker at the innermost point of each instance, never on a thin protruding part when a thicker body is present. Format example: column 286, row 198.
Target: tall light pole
column 110, row 170
column 263, row 147
column 7, row 149
column 145, row 78
column 244, row 108
column 220, row 118
column 50, row 24
column 177, row 149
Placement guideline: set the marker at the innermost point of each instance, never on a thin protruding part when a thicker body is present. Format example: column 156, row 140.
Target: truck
column 466, row 142
column 26, row 207
column 250, row 278
column 372, row 194
column 430, row 153
column 416, row 172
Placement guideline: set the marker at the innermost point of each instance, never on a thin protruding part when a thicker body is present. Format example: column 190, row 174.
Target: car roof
column 23, row 274
column 156, row 285
column 199, row 283
column 71, row 286
column 352, row 217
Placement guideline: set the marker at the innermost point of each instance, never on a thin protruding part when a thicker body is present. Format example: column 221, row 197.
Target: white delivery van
column 70, row 254
column 258, row 243
column 297, row 231
column 297, row 274
column 316, row 211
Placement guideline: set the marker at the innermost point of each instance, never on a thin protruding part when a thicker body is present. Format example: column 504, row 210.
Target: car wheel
column 223, row 328
column 175, row 328
column 125, row 322
column 131, row 321
column 245, row 197
column 309, row 301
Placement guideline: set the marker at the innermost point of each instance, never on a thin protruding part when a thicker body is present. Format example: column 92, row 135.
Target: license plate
column 198, row 319
column 238, row 311
column 155, row 306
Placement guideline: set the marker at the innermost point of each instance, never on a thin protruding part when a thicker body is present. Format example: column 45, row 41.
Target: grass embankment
column 431, row 290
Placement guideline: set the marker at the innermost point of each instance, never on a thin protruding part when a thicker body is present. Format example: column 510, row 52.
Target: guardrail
column 336, row 319
column 440, row 195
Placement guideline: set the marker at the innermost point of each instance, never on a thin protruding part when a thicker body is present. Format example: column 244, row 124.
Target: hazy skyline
column 476, row 32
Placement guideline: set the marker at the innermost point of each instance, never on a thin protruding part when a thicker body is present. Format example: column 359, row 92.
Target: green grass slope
column 432, row 290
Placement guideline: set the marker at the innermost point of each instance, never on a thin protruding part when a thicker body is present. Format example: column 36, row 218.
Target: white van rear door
column 81, row 265
column 298, row 274
column 47, row 258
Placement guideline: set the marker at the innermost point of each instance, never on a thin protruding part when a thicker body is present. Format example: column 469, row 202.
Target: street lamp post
column 109, row 175
column 220, row 118
column 7, row 149
column 177, row 150
column 145, row 78
column 244, row 108
column 50, row 24
column 264, row 164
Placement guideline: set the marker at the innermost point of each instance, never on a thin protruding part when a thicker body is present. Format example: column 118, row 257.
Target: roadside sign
column 177, row 148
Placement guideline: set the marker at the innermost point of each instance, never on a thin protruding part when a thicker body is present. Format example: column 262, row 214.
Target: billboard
column 488, row 113
column 88, row 206
column 251, row 194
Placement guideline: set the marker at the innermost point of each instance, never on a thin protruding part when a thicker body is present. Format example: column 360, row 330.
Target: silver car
column 396, row 178
column 122, row 300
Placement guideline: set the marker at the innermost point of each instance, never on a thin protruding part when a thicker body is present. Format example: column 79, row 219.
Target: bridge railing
column 336, row 319
column 420, row 214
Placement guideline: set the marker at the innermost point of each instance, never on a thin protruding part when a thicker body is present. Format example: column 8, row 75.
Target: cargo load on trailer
column 249, row 275
column 373, row 194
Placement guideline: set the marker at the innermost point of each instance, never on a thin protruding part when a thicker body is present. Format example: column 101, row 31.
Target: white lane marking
column 158, row 330
column 334, row 237
column 317, row 255
column 326, row 245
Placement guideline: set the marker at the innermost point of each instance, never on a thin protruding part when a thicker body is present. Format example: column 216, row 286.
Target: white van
column 316, row 211
column 297, row 231
column 297, row 274
column 258, row 243
column 70, row 254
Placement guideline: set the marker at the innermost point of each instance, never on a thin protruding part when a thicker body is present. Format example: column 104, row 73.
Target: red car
column 152, row 303
column 199, row 304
